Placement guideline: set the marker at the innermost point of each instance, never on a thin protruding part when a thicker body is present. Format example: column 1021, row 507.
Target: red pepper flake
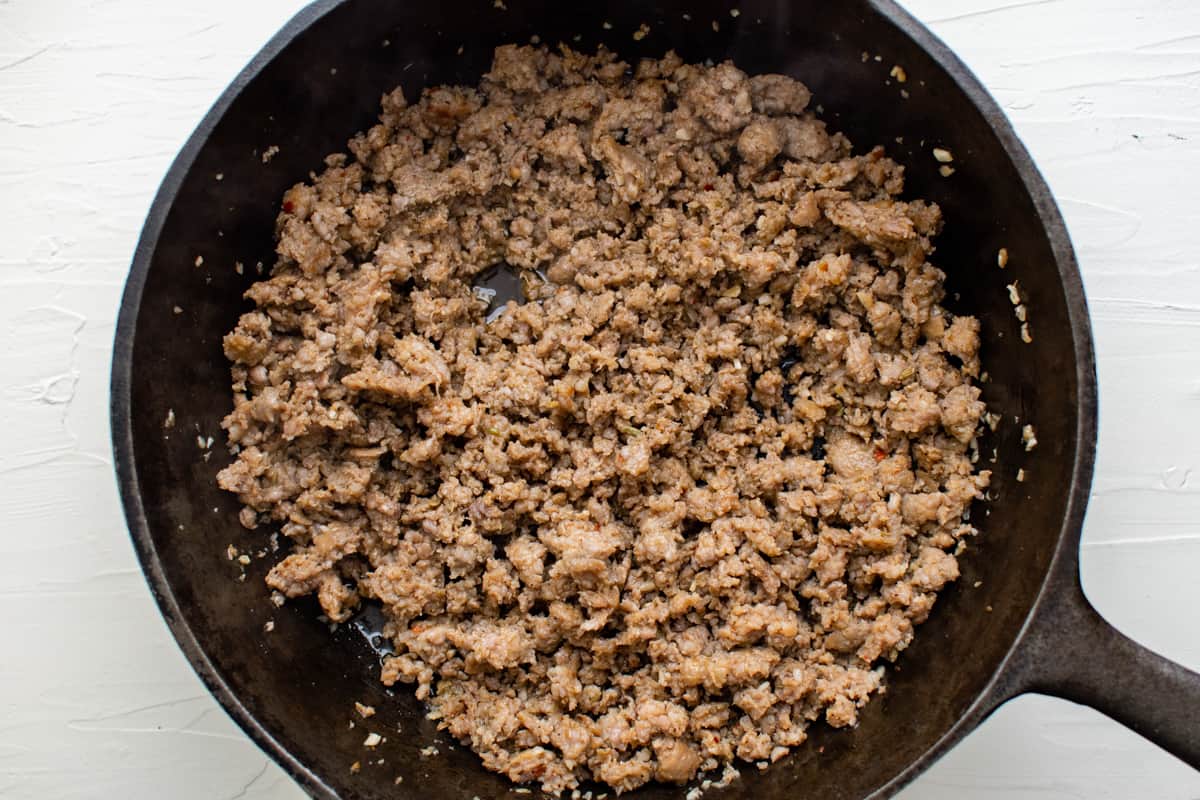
column 708, row 187
column 823, row 267
column 288, row 206
column 880, row 454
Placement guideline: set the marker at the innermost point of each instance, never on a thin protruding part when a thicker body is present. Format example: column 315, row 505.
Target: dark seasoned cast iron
column 1026, row 628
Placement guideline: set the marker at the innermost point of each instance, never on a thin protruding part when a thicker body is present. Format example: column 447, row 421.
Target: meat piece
column 913, row 410
column 874, row 221
column 758, row 144
column 779, row 95
column 961, row 410
column 720, row 96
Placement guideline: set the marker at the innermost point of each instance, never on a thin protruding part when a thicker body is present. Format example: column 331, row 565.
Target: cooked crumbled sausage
column 686, row 497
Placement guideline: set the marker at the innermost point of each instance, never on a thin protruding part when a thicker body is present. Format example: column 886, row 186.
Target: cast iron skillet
column 1027, row 627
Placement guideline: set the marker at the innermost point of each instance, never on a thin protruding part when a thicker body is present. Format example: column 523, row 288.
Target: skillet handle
column 1071, row 652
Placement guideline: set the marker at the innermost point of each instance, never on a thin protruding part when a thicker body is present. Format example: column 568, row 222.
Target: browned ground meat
column 684, row 499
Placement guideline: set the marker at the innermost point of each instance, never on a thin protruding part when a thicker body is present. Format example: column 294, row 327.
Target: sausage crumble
column 682, row 499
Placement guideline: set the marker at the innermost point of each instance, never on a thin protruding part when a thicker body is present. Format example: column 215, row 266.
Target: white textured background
column 96, row 96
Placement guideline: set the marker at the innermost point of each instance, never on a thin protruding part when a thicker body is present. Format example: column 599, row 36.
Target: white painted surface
column 95, row 98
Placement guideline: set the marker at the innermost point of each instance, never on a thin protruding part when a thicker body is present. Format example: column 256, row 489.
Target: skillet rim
column 1061, row 573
